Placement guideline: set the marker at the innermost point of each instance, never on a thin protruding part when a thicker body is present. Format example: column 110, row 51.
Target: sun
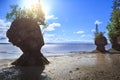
column 45, row 7
column 29, row 3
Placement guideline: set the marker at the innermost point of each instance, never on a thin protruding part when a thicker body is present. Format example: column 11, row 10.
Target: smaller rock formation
column 100, row 42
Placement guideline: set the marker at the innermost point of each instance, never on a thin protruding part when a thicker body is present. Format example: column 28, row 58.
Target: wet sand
column 78, row 66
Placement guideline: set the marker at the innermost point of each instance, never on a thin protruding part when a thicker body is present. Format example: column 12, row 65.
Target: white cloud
column 52, row 38
column 4, row 24
column 80, row 32
column 56, row 40
column 49, row 35
column 93, row 30
column 3, row 28
column 83, row 35
column 51, row 27
column 48, row 17
column 62, row 40
column 86, row 36
column 98, row 22
column 85, row 41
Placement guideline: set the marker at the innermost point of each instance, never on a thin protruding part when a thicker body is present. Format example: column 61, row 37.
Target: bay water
column 8, row 51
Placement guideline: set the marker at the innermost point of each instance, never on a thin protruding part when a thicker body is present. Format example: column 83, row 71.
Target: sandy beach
column 75, row 66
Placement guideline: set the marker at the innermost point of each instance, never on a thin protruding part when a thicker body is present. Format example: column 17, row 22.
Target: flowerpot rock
column 100, row 42
column 25, row 33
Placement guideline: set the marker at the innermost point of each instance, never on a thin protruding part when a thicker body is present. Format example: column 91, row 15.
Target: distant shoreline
column 64, row 43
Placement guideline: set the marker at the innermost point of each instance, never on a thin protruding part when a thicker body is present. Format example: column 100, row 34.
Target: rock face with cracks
column 26, row 34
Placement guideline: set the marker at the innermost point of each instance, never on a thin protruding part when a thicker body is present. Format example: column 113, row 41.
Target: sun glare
column 46, row 7
column 28, row 3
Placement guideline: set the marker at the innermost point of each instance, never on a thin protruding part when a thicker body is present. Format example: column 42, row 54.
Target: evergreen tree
column 114, row 25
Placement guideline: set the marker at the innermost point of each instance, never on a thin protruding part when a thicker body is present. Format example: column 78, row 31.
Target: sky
column 69, row 20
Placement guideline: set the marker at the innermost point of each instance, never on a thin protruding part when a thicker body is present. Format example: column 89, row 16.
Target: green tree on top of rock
column 35, row 13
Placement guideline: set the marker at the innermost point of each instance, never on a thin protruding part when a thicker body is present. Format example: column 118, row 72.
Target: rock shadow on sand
column 23, row 73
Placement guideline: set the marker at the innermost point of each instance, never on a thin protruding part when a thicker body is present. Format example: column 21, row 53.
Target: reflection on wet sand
column 108, row 60
column 103, row 59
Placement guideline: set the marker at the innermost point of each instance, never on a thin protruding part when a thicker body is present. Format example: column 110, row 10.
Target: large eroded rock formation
column 26, row 34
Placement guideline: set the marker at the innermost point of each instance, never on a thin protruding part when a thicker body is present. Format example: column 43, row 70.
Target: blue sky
column 69, row 20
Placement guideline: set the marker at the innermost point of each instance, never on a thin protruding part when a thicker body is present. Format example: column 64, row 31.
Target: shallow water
column 8, row 51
